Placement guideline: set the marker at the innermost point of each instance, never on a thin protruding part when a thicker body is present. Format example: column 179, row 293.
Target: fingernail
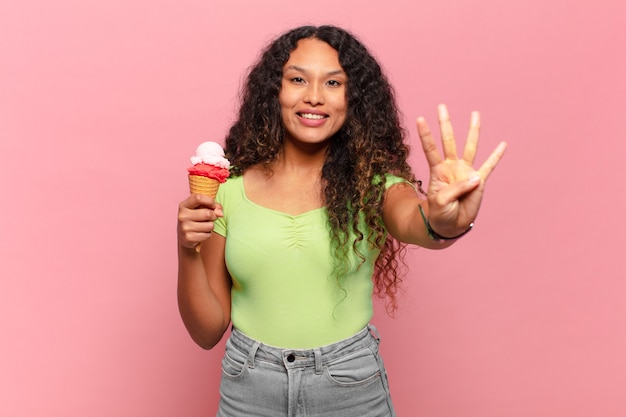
column 474, row 179
column 475, row 120
column 443, row 111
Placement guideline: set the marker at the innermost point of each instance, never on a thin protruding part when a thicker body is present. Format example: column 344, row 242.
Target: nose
column 314, row 94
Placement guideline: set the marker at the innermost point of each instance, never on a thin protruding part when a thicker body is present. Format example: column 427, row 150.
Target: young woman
column 312, row 222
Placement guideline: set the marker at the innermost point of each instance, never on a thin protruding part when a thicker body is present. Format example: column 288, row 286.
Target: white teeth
column 312, row 116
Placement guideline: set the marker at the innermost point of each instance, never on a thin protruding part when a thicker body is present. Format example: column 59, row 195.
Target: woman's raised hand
column 455, row 188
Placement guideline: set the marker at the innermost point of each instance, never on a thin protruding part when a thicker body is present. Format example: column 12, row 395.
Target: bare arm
column 203, row 280
column 403, row 219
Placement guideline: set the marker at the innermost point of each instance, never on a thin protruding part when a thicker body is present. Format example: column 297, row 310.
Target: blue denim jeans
column 344, row 379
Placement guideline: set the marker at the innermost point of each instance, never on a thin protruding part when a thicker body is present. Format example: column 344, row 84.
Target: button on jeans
column 344, row 379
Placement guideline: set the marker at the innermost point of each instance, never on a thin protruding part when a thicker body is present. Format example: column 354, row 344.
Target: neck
column 298, row 161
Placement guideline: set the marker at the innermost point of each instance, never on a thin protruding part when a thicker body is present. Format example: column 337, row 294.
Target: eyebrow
column 300, row 69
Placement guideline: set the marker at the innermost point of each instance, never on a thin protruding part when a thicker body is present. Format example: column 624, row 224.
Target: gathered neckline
column 275, row 211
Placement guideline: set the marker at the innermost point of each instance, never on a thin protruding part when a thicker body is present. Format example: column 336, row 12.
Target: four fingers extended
column 449, row 143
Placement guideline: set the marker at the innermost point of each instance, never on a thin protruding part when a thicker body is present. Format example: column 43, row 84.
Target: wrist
column 436, row 236
column 190, row 249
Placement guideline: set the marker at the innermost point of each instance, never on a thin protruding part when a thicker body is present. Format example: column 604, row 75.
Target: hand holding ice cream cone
column 209, row 170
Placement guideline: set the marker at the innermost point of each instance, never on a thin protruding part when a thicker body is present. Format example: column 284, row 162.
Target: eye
column 334, row 83
column 297, row 80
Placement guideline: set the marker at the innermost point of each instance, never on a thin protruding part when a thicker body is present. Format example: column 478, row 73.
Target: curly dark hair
column 369, row 145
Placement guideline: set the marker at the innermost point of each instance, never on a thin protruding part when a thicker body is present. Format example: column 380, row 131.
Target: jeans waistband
column 295, row 358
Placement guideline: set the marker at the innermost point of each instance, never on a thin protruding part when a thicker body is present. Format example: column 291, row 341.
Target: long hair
column 369, row 145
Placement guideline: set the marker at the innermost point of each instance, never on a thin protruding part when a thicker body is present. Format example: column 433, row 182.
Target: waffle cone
column 203, row 185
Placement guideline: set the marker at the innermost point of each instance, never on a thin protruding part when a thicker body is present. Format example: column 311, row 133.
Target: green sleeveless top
column 284, row 291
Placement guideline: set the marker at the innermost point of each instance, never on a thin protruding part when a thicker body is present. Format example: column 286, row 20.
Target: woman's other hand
column 456, row 188
column 196, row 217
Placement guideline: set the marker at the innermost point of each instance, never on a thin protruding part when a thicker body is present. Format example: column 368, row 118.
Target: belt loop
column 252, row 354
column 374, row 332
column 318, row 361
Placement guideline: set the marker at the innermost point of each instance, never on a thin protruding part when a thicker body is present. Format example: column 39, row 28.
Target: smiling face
column 313, row 93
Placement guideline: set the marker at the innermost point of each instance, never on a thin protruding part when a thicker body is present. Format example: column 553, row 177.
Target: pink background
column 101, row 103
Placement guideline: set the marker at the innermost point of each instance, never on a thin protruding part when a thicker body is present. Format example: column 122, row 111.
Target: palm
column 456, row 188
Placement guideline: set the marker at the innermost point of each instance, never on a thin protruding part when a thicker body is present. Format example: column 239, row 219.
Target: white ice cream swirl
column 210, row 153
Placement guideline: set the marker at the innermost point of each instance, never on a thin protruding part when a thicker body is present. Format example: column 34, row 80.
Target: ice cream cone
column 203, row 185
column 209, row 170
